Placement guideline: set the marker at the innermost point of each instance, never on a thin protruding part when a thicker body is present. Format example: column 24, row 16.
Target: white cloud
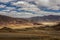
column 26, row 6
column 51, row 4
column 30, row 9
column 23, row 4
column 10, row 8
column 2, row 6
column 4, row 1
column 16, row 14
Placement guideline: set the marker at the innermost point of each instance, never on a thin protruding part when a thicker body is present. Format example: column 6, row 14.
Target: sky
column 29, row 8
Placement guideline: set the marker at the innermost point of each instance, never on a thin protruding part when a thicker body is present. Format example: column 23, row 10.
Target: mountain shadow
column 6, row 29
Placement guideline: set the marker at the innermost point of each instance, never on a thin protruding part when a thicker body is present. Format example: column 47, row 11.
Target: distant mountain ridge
column 7, row 19
column 46, row 18
column 10, row 19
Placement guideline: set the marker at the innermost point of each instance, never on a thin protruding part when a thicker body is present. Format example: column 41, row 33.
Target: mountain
column 6, row 21
column 45, row 18
column 13, row 22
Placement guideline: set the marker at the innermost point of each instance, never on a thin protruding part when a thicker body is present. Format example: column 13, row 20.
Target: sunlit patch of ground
column 27, row 25
column 49, row 23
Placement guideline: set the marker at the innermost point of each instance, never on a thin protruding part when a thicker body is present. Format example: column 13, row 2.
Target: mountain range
column 45, row 18
column 6, row 21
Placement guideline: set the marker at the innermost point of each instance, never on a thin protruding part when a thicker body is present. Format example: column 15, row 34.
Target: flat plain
column 31, row 35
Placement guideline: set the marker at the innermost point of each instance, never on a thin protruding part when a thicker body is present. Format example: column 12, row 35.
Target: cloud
column 10, row 8
column 50, row 4
column 5, row 1
column 54, row 4
column 16, row 14
column 23, row 4
column 2, row 6
column 26, row 8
